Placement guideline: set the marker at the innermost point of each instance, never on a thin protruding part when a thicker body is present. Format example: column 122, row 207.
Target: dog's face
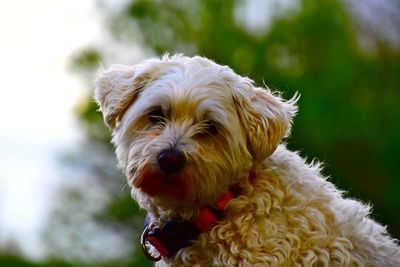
column 185, row 129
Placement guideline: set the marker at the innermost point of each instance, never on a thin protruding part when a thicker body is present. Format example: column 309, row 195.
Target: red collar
column 177, row 234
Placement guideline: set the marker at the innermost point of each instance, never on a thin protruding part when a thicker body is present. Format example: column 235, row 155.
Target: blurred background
column 62, row 200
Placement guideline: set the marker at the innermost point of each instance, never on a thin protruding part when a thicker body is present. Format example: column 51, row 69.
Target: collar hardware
column 144, row 245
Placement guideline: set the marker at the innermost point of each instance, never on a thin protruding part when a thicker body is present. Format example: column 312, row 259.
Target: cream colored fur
column 290, row 215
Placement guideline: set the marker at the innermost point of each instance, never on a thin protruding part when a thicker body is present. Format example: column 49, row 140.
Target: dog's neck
column 177, row 234
column 168, row 233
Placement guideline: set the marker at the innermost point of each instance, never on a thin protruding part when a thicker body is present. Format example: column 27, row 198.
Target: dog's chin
column 158, row 184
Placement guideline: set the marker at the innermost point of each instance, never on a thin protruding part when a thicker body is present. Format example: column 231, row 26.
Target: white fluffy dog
column 199, row 145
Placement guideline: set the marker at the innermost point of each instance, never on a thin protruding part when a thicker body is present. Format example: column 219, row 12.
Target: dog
column 201, row 149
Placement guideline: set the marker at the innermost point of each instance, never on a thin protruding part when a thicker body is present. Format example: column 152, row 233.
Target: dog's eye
column 211, row 127
column 156, row 116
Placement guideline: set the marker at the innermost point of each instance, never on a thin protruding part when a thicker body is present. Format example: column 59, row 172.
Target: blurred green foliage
column 348, row 114
column 15, row 261
column 86, row 59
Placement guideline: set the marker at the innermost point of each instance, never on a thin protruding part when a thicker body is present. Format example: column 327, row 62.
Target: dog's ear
column 265, row 117
column 116, row 89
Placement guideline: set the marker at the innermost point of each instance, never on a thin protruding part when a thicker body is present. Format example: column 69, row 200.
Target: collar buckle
column 144, row 242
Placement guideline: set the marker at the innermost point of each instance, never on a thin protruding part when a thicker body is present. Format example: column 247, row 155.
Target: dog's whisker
column 124, row 185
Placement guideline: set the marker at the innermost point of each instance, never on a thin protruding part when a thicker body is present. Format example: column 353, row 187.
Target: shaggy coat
column 288, row 214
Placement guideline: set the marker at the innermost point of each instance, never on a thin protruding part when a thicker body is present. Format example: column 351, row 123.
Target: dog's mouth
column 156, row 183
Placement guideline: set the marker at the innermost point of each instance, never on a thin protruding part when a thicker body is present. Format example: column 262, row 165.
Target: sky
column 37, row 99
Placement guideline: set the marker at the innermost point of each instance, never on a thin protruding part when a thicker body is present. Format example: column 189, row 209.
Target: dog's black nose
column 171, row 161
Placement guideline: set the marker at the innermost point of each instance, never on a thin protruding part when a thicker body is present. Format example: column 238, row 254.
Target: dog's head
column 185, row 129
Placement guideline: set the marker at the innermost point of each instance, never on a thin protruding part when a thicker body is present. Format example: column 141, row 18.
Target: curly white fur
column 290, row 215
